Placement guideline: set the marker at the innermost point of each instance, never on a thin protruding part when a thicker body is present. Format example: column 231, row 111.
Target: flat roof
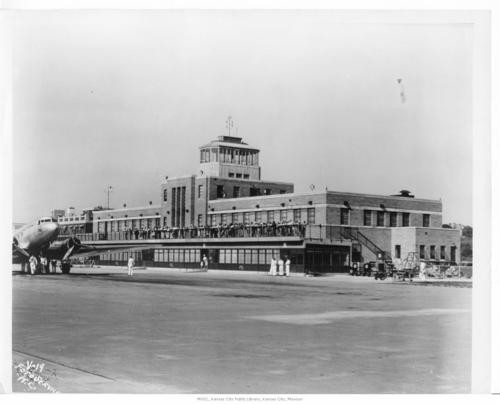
column 392, row 197
column 316, row 193
column 217, row 143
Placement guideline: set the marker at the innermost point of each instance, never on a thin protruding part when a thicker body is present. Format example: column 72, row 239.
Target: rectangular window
column 200, row 191
column 267, row 191
column 246, row 217
column 270, row 216
column 254, row 191
column 211, row 220
column 283, row 215
column 367, row 218
column 393, row 219
column 200, row 220
column 255, row 256
column 443, row 252
column 231, row 175
column 165, row 195
column 241, row 256
column 220, row 191
column 238, row 175
column 246, row 176
column 397, row 251
column 234, row 217
column 223, row 218
column 258, row 216
column 236, row 192
column 422, row 252
column 282, row 191
column 426, row 220
column 406, row 219
column 311, row 215
column 380, row 218
column 344, row 216
column 222, row 257
column 433, row 252
column 296, row 215
column 453, row 254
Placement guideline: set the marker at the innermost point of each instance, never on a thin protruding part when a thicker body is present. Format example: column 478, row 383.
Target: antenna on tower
column 229, row 125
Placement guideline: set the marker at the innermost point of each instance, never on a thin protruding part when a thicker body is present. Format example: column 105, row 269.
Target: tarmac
column 98, row 330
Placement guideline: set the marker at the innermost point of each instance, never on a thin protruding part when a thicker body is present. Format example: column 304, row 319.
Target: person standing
column 205, row 263
column 280, row 266
column 44, row 265
column 33, row 263
column 287, row 267
column 272, row 270
column 131, row 264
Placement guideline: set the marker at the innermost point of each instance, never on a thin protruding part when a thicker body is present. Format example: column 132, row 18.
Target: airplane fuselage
column 36, row 236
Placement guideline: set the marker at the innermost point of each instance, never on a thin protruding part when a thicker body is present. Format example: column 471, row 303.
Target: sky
column 126, row 98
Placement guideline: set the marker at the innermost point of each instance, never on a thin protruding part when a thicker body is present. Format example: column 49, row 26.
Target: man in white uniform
column 287, row 267
column 272, row 270
column 33, row 264
column 131, row 266
column 280, row 266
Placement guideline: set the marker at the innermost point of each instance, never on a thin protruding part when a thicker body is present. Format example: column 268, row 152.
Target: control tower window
column 204, row 156
column 214, row 155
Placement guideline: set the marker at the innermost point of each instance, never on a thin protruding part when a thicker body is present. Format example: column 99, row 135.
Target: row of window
column 381, row 218
column 253, row 191
column 261, row 256
column 433, row 252
column 229, row 155
column 177, row 255
column 239, row 175
column 269, row 216
column 120, row 225
column 236, row 191
column 121, row 256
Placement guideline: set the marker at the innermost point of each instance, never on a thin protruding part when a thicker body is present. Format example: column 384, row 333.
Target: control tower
column 229, row 157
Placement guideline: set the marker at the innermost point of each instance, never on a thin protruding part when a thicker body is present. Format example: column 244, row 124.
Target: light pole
column 110, row 189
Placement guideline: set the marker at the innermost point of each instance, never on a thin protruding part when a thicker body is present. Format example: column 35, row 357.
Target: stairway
column 353, row 233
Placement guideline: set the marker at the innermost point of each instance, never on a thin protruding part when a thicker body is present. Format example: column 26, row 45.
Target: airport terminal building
column 239, row 221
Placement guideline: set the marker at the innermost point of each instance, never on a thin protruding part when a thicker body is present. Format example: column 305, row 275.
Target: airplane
column 40, row 238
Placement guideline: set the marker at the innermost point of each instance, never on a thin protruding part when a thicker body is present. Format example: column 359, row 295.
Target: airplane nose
column 54, row 228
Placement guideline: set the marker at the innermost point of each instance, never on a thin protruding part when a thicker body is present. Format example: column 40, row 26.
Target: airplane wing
column 74, row 248
column 90, row 250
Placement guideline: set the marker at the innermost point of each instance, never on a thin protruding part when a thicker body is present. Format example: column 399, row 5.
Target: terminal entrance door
column 327, row 259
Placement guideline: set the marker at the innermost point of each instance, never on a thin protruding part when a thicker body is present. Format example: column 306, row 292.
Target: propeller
column 71, row 243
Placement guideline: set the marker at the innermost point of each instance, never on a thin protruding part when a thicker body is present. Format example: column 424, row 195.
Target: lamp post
column 110, row 189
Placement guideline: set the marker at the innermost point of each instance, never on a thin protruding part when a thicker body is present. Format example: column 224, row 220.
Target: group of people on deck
column 273, row 229
column 280, row 267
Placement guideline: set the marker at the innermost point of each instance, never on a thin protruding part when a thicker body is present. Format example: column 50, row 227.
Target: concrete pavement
column 168, row 331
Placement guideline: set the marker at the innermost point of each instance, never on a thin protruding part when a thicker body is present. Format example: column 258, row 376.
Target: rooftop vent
column 404, row 193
